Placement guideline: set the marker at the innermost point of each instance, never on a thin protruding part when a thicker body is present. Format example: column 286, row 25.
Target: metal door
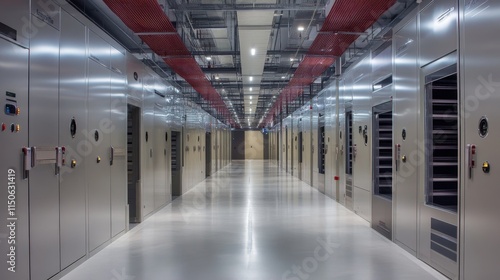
column 118, row 148
column 481, row 87
column 72, row 129
column 405, row 180
column 14, row 95
column 159, row 155
column 98, row 164
column 43, row 136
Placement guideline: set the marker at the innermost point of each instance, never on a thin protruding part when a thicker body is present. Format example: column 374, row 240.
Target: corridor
column 251, row 220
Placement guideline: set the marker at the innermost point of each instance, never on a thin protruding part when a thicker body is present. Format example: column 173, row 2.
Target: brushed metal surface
column 159, row 156
column 16, row 15
column 405, row 179
column 438, row 23
column 480, row 193
column 14, row 79
column 98, row 173
column 118, row 141
column 72, row 106
column 43, row 132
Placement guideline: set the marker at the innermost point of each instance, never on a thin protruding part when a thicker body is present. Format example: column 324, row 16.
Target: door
column 118, row 148
column 43, row 136
column 176, row 163
column 72, row 128
column 208, row 154
column 481, row 85
column 405, row 180
column 14, row 95
column 98, row 164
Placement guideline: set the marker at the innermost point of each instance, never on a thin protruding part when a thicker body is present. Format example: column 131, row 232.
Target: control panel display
column 10, row 110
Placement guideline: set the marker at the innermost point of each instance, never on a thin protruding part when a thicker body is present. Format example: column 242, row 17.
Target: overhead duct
column 147, row 19
column 345, row 22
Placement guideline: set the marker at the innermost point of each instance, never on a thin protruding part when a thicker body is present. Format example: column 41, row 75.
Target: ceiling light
column 251, row 89
column 251, row 97
column 253, row 51
column 209, row 58
column 300, row 28
column 250, row 102
column 251, row 78
column 217, row 77
column 283, row 77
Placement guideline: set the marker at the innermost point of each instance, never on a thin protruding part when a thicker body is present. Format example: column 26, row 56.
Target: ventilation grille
column 444, row 239
column 348, row 187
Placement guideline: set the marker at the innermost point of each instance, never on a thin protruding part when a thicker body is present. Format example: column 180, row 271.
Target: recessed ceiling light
column 253, row 51
column 300, row 28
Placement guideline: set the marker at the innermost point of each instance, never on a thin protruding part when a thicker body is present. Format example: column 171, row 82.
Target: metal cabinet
column 43, row 137
column 14, row 95
column 480, row 86
column 98, row 164
column 405, row 175
column 72, row 135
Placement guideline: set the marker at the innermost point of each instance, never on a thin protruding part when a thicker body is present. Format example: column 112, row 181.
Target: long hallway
column 251, row 220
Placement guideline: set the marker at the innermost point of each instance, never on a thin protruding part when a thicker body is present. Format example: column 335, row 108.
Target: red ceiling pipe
column 345, row 16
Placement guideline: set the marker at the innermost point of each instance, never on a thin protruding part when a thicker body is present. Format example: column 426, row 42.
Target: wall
column 254, row 145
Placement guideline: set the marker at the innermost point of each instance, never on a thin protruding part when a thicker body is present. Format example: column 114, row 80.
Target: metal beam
column 244, row 7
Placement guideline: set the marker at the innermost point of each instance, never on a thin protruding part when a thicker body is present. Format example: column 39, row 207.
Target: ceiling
column 255, row 57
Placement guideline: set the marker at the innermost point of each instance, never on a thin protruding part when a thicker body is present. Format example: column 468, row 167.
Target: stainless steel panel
column 331, row 118
column 429, row 250
column 48, row 12
column 362, row 135
column 99, row 50
column 118, row 157
column 16, row 16
column 295, row 144
column 43, row 132
column 438, row 23
column 118, row 61
column 307, row 145
column 405, row 180
column 14, row 79
column 98, row 168
column 159, row 154
column 147, row 167
column 314, row 141
column 480, row 82
column 72, row 108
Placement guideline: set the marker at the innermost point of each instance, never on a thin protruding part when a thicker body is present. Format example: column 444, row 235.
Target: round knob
column 73, row 163
column 403, row 158
column 98, row 159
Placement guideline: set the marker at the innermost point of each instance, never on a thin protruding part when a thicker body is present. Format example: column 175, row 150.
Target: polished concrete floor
column 252, row 221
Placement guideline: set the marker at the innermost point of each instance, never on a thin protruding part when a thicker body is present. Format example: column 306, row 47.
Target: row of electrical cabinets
column 88, row 144
column 405, row 138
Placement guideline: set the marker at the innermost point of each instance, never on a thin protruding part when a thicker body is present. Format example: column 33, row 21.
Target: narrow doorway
column 176, row 164
column 134, row 163
column 208, row 154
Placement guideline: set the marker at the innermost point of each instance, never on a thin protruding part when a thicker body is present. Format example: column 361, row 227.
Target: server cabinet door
column 159, row 158
column 72, row 127
column 147, row 150
column 118, row 157
column 98, row 169
column 14, row 195
column 405, row 179
column 481, row 85
column 43, row 135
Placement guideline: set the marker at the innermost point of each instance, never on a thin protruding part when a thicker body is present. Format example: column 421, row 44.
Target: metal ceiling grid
column 148, row 20
column 343, row 25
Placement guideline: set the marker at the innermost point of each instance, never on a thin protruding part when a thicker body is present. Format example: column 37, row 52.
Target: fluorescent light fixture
column 251, row 97
column 253, row 51
column 251, row 103
column 250, row 79
column 209, row 58
column 300, row 28
column 251, row 89
column 217, row 77
column 283, row 77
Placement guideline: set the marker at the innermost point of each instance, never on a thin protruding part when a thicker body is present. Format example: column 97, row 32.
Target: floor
column 253, row 221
